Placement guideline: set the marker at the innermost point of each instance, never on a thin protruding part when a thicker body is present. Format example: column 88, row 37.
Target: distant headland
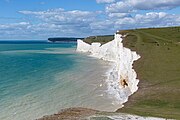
column 63, row 39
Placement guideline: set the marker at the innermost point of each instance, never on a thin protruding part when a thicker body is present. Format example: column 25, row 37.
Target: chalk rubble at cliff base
column 122, row 116
column 121, row 80
column 90, row 114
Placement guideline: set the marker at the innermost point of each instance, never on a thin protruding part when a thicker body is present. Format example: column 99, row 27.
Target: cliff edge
column 122, row 79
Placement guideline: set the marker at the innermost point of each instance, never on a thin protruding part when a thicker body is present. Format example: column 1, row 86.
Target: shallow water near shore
column 42, row 79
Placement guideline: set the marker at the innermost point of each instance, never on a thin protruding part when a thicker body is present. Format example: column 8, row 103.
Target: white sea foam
column 122, row 81
column 123, row 116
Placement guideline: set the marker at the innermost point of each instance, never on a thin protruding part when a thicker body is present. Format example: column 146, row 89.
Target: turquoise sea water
column 41, row 79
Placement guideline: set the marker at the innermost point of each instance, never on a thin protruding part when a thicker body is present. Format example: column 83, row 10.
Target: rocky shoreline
column 90, row 114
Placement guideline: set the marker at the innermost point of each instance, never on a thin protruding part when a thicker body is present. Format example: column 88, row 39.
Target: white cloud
column 60, row 16
column 102, row 25
column 14, row 26
column 59, row 22
column 159, row 19
column 122, row 7
column 154, row 4
column 152, row 19
column 105, row 1
column 131, row 5
column 54, row 22
column 119, row 15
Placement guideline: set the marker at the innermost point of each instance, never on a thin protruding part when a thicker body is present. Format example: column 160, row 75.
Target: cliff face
column 121, row 80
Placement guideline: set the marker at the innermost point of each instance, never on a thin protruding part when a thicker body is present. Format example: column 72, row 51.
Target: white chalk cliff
column 122, row 79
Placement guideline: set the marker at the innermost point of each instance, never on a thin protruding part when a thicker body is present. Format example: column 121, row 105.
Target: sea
column 42, row 78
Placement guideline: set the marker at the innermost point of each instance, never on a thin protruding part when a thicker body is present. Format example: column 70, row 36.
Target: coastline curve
column 122, row 79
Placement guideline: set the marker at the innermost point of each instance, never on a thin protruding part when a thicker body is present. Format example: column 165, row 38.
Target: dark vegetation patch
column 71, row 114
column 100, row 39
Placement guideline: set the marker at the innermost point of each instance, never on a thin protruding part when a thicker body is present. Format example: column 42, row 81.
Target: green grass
column 101, row 39
column 158, row 71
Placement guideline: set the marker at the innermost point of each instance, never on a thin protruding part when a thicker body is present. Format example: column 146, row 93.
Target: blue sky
column 40, row 19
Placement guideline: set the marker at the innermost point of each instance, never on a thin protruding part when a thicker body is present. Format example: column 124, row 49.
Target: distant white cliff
column 122, row 79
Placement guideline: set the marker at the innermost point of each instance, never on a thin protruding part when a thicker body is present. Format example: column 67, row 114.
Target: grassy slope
column 158, row 71
column 101, row 39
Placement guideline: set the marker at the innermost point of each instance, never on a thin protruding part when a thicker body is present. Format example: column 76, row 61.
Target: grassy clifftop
column 101, row 39
column 158, row 71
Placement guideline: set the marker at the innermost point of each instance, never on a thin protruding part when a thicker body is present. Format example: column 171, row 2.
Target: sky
column 41, row 19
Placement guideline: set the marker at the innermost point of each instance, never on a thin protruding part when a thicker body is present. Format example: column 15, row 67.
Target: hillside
column 63, row 39
column 158, row 71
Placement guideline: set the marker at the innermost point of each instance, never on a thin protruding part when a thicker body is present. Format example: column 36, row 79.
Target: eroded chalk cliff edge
column 122, row 79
